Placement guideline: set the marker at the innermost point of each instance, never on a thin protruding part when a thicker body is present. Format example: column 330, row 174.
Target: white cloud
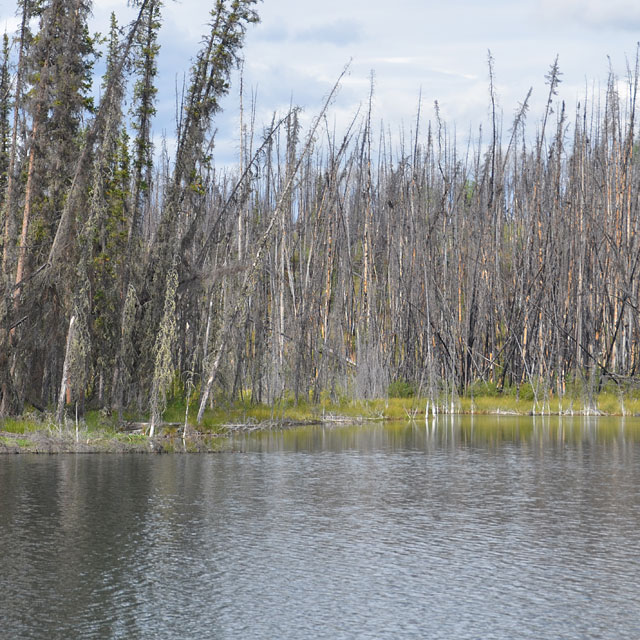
column 9, row 24
column 395, row 60
column 340, row 32
column 619, row 14
column 9, row 21
column 413, row 46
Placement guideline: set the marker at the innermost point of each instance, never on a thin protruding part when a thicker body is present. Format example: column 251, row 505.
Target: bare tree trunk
column 65, row 384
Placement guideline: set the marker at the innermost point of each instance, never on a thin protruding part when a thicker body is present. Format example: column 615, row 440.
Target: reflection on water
column 451, row 431
column 476, row 528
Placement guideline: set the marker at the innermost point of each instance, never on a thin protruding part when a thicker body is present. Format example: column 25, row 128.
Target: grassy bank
column 36, row 436
column 99, row 432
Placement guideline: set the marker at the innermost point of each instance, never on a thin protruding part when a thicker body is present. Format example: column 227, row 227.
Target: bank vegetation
column 328, row 266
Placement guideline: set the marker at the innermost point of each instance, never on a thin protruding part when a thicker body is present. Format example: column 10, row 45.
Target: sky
column 418, row 51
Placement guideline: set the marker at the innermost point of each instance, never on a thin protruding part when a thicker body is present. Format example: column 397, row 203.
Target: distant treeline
column 328, row 263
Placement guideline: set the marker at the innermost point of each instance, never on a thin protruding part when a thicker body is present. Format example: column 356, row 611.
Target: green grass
column 20, row 442
column 497, row 404
column 100, row 429
column 130, row 438
column 287, row 411
column 17, row 425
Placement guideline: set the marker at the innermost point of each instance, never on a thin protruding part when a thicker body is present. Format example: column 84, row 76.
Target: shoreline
column 50, row 439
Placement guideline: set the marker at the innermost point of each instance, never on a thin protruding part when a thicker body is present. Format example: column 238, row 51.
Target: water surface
column 484, row 528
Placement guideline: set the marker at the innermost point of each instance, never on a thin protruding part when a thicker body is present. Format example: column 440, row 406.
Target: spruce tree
column 30, row 10
column 102, row 250
column 144, row 94
column 210, row 81
column 60, row 62
column 5, row 124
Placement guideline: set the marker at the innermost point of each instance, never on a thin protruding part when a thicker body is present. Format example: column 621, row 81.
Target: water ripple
column 461, row 540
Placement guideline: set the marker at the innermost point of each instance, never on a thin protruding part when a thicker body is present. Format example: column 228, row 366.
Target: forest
column 341, row 264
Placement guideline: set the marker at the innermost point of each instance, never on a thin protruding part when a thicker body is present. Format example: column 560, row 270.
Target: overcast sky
column 414, row 47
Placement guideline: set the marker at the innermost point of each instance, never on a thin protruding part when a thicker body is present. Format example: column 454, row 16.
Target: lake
column 477, row 528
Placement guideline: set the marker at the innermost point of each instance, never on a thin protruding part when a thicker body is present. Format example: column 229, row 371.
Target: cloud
column 617, row 14
column 8, row 23
column 339, row 32
column 271, row 33
column 399, row 60
column 278, row 85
